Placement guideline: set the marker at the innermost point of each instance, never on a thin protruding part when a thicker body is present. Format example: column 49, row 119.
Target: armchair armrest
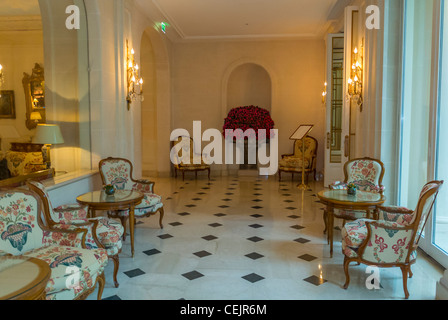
column 338, row 185
column 90, row 225
column 4, row 253
column 65, row 236
column 70, row 212
column 287, row 155
column 395, row 214
column 144, row 186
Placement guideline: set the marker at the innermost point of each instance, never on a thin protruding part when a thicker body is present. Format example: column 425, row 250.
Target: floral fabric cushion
column 149, row 200
column 19, row 231
column 108, row 232
column 21, row 163
column 293, row 162
column 69, row 264
column 69, row 212
column 118, row 173
column 349, row 214
column 387, row 244
column 396, row 214
column 365, row 173
column 310, row 148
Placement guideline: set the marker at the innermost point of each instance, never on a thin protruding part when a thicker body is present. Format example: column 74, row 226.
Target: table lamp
column 35, row 116
column 48, row 134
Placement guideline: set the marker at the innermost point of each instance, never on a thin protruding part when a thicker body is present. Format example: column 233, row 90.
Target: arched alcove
column 249, row 84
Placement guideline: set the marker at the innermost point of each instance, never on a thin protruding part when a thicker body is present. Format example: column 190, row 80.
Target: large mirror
column 34, row 87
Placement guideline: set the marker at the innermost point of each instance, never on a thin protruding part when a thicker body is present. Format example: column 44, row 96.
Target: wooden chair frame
column 299, row 170
column 131, row 176
column 413, row 244
column 188, row 168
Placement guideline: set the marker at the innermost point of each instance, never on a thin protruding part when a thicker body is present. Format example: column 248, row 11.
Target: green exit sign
column 163, row 27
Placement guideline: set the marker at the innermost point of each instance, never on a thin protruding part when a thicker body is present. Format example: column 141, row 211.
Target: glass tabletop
column 20, row 274
column 360, row 196
column 101, row 197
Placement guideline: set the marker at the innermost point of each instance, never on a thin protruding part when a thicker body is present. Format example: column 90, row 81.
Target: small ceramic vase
column 109, row 189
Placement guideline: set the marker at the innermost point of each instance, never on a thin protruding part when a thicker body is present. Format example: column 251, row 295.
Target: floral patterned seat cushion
column 109, row 233
column 349, row 214
column 149, row 200
column 293, row 162
column 68, row 264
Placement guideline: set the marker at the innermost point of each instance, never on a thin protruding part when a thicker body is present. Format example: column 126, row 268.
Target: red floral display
column 249, row 117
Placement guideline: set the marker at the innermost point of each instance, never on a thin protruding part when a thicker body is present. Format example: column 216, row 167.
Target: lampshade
column 35, row 116
column 48, row 134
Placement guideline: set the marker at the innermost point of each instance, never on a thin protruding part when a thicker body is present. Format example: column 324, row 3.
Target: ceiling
column 244, row 19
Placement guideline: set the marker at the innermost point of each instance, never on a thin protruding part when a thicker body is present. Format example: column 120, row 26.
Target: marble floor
column 247, row 238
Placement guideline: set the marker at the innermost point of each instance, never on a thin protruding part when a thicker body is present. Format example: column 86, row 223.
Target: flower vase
column 351, row 191
column 109, row 189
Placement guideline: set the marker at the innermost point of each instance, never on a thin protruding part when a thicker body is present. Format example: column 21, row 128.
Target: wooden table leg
column 330, row 228
column 131, row 227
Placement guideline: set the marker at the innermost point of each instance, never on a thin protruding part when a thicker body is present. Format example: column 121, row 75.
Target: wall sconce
column 324, row 94
column 135, row 82
column 356, row 76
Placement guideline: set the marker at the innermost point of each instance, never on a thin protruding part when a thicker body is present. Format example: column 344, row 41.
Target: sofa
column 18, row 166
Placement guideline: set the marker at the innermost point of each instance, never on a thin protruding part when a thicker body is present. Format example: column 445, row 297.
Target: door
column 336, row 123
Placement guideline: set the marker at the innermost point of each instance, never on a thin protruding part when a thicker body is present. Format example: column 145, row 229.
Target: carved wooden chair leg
column 101, row 282
column 161, row 212
column 208, row 173
column 116, row 261
column 404, row 271
column 347, row 275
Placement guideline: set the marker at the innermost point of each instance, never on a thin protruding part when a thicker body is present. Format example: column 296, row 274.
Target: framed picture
column 7, row 106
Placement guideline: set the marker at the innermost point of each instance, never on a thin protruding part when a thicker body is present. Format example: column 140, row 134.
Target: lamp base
column 302, row 187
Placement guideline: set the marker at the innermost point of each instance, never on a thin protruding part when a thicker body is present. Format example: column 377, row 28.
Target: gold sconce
column 324, row 94
column 355, row 84
column 135, row 82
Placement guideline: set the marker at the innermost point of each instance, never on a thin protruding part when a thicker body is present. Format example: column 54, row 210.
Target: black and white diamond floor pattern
column 230, row 238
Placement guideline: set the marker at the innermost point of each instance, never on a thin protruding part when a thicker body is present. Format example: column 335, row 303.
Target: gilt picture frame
column 7, row 104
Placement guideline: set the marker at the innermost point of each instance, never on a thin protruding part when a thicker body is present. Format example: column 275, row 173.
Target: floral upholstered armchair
column 118, row 172
column 22, row 233
column 293, row 162
column 190, row 160
column 367, row 175
column 391, row 241
column 102, row 232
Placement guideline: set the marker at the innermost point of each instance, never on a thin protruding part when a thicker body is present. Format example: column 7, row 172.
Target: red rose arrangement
column 249, row 117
